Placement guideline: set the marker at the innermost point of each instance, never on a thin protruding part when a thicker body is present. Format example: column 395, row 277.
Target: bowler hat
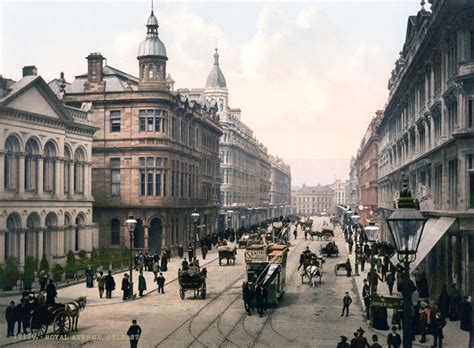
column 343, row 338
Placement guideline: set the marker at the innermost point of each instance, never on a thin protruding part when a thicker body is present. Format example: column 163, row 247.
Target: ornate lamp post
column 406, row 226
column 131, row 224
column 195, row 217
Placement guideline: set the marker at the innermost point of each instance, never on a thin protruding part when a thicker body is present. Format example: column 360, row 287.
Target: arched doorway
column 33, row 222
column 155, row 236
column 13, row 224
column 51, row 223
column 139, row 240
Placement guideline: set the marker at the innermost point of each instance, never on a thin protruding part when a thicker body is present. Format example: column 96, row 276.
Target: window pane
column 159, row 162
column 142, row 182
column 158, row 183
column 142, row 124
column 142, row 161
column 149, row 123
column 150, row 162
column 150, row 183
column 115, row 163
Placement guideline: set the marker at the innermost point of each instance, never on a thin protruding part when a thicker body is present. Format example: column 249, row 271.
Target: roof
column 152, row 45
column 216, row 78
column 115, row 81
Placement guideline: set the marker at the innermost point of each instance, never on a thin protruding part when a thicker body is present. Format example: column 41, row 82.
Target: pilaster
column 21, row 172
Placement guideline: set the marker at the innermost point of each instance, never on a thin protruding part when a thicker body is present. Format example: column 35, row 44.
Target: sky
column 308, row 75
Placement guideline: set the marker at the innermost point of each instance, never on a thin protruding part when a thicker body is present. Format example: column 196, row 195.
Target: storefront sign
column 255, row 255
column 386, row 302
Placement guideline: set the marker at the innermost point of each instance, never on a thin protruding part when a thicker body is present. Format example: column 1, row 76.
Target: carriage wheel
column 181, row 293
column 62, row 324
column 327, row 236
column 220, row 263
column 203, row 291
column 38, row 331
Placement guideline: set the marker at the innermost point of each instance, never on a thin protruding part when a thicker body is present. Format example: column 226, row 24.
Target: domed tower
column 216, row 87
column 152, row 58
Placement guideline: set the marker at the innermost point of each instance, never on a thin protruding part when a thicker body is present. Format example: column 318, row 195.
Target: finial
column 151, row 6
column 422, row 3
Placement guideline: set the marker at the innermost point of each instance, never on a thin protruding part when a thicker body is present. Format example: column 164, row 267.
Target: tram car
column 266, row 264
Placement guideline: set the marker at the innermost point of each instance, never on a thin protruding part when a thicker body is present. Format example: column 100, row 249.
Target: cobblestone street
column 306, row 317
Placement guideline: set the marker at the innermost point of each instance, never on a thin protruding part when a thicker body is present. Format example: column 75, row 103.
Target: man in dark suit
column 346, row 302
column 109, row 285
column 11, row 317
column 125, row 286
column 134, row 333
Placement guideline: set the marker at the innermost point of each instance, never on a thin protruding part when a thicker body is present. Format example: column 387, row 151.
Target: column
column 444, row 125
column 39, row 249
column 433, row 139
column 71, row 178
column 21, row 172
column 58, row 190
column 462, row 115
column 409, row 152
column 39, row 181
column 2, row 244
column 145, row 236
column 60, row 242
column 21, row 247
column 2, row 173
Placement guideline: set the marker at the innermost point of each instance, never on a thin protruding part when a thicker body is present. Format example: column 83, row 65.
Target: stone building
column 339, row 186
column 353, row 188
column 45, row 173
column 156, row 154
column 367, row 164
column 312, row 200
column 249, row 193
column 427, row 135
column 280, row 190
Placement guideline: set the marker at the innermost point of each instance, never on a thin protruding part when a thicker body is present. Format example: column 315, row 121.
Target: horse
column 74, row 308
column 313, row 271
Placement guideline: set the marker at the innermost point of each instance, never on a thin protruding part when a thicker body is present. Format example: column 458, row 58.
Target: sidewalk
column 453, row 335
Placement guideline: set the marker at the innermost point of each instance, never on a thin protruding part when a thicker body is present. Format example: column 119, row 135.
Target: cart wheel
column 203, row 291
column 220, row 263
column 327, row 236
column 38, row 331
column 62, row 324
column 181, row 293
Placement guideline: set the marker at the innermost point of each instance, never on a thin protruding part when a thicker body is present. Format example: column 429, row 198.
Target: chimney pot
column 30, row 70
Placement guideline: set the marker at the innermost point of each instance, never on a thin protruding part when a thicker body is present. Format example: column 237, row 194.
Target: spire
column 216, row 78
column 216, row 57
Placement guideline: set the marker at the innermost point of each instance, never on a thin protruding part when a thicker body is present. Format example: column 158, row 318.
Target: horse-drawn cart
column 227, row 251
column 330, row 249
column 192, row 280
column 312, row 268
column 51, row 315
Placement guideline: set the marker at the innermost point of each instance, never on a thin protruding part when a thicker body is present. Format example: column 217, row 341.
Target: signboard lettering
column 255, row 255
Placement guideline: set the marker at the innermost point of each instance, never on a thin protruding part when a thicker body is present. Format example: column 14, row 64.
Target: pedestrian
column 366, row 297
column 393, row 339
column 438, row 323
column 348, row 267
column 89, row 277
column 247, row 297
column 141, row 284
column 346, row 302
column 160, row 280
column 180, row 251
column 359, row 341
column 125, row 286
column 302, row 258
column 363, row 260
column 375, row 340
column 295, row 233
column 43, row 280
column 185, row 265
column 11, row 318
column 164, row 263
column 390, row 282
column 343, row 343
column 423, row 290
column 22, row 315
column 190, row 252
column 204, row 251
column 443, row 301
column 101, row 283
column 134, row 332
column 351, row 245
column 425, row 322
column 466, row 314
column 261, row 299
column 306, row 234
column 109, row 285
column 51, row 293
column 455, row 302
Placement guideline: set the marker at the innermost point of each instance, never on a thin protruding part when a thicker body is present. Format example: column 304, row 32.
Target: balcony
column 466, row 70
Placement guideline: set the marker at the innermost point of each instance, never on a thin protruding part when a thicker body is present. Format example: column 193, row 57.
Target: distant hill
column 318, row 171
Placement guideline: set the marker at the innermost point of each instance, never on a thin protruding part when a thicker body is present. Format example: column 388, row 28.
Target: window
column 452, row 109
column 115, row 232
column 437, row 126
column 115, row 174
column 152, row 176
column 453, row 183
column 469, row 113
column 152, row 120
column 149, row 190
column 115, row 121
column 470, row 168
column 438, row 189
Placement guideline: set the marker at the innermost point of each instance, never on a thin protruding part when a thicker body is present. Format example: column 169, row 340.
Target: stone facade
column 427, row 135
column 339, row 186
column 156, row 154
column 312, row 200
column 45, row 173
column 255, row 185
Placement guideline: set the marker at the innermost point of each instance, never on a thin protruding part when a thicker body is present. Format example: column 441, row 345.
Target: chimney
column 95, row 73
column 4, row 90
column 94, row 67
column 30, row 70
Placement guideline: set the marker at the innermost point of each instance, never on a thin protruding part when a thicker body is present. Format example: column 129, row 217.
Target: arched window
column 10, row 174
column 115, row 229
column 13, row 224
column 32, row 224
column 79, row 222
column 67, row 232
column 31, row 164
column 49, row 176
column 79, row 159
column 150, row 71
column 66, row 171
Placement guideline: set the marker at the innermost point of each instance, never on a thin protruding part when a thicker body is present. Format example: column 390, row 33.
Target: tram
column 266, row 264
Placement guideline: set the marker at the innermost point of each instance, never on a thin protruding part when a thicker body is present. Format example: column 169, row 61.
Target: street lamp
column 195, row 217
column 406, row 226
column 131, row 224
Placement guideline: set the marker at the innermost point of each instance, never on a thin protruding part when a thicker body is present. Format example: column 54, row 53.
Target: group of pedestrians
column 255, row 297
column 360, row 341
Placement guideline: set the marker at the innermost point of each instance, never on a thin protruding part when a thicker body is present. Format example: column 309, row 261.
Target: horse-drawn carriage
column 62, row 317
column 192, row 279
column 339, row 267
column 227, row 251
column 312, row 268
column 330, row 249
column 324, row 234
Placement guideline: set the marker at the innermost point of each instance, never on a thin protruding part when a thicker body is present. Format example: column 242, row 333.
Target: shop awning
column 435, row 228
column 271, row 274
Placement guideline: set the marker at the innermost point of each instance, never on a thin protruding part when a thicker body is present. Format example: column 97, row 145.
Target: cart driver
column 307, row 253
